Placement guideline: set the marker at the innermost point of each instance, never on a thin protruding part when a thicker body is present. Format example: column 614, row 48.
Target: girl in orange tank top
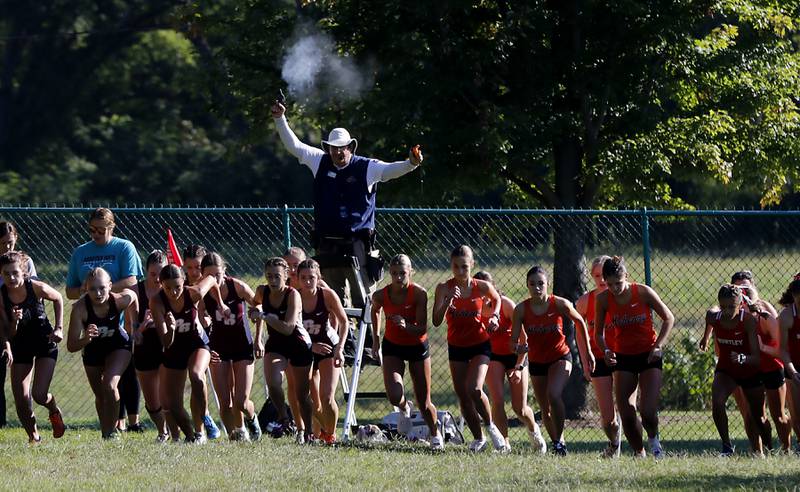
column 735, row 333
column 506, row 363
column 540, row 317
column 637, row 356
column 789, row 323
column 405, row 305
column 601, row 377
column 460, row 301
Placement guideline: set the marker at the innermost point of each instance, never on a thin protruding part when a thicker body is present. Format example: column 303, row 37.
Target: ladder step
column 367, row 394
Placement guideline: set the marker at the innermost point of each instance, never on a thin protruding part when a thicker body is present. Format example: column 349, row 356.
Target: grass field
column 81, row 460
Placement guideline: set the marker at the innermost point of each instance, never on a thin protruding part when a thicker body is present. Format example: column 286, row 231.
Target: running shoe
column 640, row 454
column 239, row 435
column 437, row 443
column 498, row 441
column 112, row 436
column 253, row 428
column 138, row 428
column 477, row 445
column 162, row 438
column 33, row 441
column 299, row 437
column 559, row 448
column 327, row 437
column 727, row 451
column 537, row 440
column 655, row 447
column 612, row 449
column 212, row 431
column 57, row 421
column 197, row 438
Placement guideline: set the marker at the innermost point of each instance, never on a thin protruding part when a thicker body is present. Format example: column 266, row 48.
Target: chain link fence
column 685, row 256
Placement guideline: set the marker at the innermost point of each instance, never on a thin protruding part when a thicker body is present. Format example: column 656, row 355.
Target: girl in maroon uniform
column 550, row 360
column 174, row 311
column 98, row 328
column 327, row 344
column 505, row 363
column 637, row 356
column 231, row 344
column 288, row 347
column 789, row 322
column 735, row 335
column 602, row 376
column 147, row 344
column 31, row 343
column 405, row 305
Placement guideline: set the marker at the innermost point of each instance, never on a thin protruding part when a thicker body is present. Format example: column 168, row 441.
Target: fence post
column 287, row 231
column 646, row 246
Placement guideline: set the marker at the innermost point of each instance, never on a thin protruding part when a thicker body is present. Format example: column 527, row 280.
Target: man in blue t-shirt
column 117, row 256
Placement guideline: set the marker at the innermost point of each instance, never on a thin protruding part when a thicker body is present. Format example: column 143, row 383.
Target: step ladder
column 363, row 320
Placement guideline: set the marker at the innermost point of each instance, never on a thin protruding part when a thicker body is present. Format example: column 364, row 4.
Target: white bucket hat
column 339, row 137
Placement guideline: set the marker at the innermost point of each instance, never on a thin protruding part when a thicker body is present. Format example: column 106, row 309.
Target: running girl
column 327, row 344
column 147, row 344
column 550, row 360
column 735, row 335
column 789, row 322
column 602, row 376
column 505, row 363
column 98, row 327
column 288, row 346
column 231, row 344
column 192, row 260
column 174, row 311
column 460, row 301
column 637, row 357
column 405, row 305
column 32, row 349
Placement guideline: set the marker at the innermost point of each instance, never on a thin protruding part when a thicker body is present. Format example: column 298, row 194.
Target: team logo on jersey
column 728, row 341
column 311, row 327
column 229, row 320
column 105, row 332
column 541, row 329
column 183, row 326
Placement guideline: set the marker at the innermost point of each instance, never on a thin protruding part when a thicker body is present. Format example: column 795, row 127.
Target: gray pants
column 341, row 277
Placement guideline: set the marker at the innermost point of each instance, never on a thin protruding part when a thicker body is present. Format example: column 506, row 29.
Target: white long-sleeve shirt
column 377, row 171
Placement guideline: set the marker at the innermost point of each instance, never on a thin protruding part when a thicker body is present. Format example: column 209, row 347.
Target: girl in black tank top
column 288, row 348
column 148, row 350
column 232, row 350
column 318, row 303
column 98, row 328
column 33, row 340
column 174, row 312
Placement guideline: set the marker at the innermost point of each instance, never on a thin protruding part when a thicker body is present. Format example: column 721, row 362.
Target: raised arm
column 306, row 154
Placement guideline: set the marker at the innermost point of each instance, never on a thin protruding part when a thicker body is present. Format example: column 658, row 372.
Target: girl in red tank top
column 405, row 306
column 771, row 368
column 637, row 356
column 735, row 334
column 601, row 377
column 460, row 301
column 789, row 323
column 506, row 363
column 540, row 317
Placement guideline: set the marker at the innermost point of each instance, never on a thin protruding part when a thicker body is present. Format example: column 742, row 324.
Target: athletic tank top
column 609, row 333
column 732, row 340
column 769, row 363
column 232, row 331
column 546, row 340
column 317, row 322
column 500, row 338
column 280, row 311
column 407, row 310
column 633, row 323
column 34, row 322
column 464, row 326
column 186, row 322
column 109, row 327
column 794, row 337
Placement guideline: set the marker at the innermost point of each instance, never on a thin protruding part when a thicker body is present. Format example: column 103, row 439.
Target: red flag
column 172, row 250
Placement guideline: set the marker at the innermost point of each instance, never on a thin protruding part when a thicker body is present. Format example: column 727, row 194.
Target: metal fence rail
column 684, row 255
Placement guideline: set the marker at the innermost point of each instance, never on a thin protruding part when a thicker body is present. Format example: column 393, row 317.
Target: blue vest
column 342, row 202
